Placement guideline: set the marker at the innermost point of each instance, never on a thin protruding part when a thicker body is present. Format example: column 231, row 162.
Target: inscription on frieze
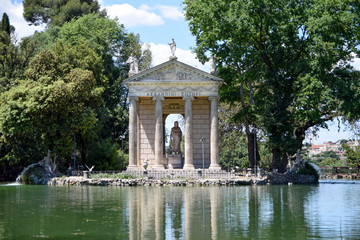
column 173, row 94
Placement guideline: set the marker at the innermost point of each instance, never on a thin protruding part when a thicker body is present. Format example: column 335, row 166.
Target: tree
column 57, row 98
column 57, row 12
column 295, row 54
column 352, row 154
column 5, row 24
column 109, row 40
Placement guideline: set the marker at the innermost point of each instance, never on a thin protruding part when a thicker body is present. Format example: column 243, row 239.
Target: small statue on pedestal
column 172, row 45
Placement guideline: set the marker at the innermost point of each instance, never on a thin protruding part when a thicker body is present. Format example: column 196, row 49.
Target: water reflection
column 258, row 212
column 249, row 212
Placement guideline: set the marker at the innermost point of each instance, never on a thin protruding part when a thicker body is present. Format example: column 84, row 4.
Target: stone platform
column 273, row 179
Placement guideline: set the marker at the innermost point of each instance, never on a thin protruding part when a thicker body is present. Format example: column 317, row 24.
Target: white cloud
column 355, row 62
column 131, row 17
column 15, row 12
column 170, row 12
column 161, row 54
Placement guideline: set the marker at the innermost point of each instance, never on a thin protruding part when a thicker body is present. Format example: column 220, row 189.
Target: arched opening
column 174, row 129
column 169, row 123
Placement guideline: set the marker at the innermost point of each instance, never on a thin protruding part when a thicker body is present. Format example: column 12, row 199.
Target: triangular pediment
column 173, row 71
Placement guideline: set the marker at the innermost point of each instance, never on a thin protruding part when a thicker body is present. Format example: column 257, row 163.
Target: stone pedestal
column 174, row 161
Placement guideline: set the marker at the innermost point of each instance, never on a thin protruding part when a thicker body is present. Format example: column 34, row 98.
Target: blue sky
column 157, row 22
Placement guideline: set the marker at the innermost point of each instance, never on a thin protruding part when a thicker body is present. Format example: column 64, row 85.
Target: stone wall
column 146, row 128
column 201, row 128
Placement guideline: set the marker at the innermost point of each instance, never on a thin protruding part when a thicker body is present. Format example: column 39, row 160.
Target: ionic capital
column 191, row 98
column 211, row 98
column 134, row 98
column 158, row 98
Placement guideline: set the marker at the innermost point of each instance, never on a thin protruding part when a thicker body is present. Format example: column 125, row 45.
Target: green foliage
column 56, row 99
column 5, row 24
column 289, row 61
column 57, row 12
column 234, row 143
column 328, row 159
column 14, row 58
column 352, row 154
column 106, row 155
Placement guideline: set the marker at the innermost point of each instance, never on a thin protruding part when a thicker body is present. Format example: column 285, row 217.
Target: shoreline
column 269, row 179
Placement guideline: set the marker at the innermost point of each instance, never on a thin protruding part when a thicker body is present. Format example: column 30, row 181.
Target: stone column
column 214, row 206
column 133, row 217
column 189, row 209
column 158, row 132
column 189, row 152
column 214, row 134
column 132, row 133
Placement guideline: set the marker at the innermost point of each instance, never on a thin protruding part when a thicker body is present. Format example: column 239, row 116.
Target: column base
column 158, row 167
column 132, row 168
column 215, row 167
column 189, row 167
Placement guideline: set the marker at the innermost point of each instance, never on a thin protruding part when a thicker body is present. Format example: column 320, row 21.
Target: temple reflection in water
column 213, row 212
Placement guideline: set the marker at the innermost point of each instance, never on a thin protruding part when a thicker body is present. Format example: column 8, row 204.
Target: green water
column 324, row 211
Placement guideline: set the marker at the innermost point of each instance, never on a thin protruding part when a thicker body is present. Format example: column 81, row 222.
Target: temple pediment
column 173, row 78
column 173, row 70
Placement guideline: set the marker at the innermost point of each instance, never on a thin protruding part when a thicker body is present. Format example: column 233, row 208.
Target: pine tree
column 5, row 24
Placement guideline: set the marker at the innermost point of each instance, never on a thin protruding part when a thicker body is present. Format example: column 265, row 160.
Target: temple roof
column 171, row 71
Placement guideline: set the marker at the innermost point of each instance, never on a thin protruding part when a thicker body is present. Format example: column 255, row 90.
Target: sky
column 157, row 22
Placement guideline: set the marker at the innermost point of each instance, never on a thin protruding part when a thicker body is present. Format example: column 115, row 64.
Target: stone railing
column 179, row 173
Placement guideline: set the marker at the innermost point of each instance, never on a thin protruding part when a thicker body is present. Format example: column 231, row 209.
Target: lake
column 323, row 211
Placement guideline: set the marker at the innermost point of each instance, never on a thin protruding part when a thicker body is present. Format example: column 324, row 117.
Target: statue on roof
column 134, row 65
column 172, row 45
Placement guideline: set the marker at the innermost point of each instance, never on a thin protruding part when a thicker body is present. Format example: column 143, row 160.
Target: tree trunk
column 252, row 141
column 284, row 163
column 275, row 159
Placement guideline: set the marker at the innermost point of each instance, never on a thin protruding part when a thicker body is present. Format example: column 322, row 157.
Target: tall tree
column 5, row 24
column 57, row 98
column 299, row 51
column 109, row 40
column 57, row 12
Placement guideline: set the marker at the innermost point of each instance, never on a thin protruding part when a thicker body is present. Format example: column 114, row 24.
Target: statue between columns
column 175, row 138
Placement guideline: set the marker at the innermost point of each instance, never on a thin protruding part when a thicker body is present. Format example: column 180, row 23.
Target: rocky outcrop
column 291, row 178
column 38, row 173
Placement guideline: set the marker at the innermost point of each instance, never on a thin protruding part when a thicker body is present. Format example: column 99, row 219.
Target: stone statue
column 134, row 65
column 212, row 62
column 48, row 163
column 173, row 49
column 175, row 138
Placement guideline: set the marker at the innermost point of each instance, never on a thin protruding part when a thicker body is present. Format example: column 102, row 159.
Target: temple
column 173, row 87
